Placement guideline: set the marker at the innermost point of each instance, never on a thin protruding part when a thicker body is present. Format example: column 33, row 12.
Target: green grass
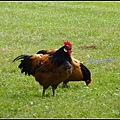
column 26, row 27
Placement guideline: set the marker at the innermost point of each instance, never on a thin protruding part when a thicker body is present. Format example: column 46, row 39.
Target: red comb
column 67, row 43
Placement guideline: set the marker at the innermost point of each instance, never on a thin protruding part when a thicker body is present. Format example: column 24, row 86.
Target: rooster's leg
column 53, row 90
column 65, row 85
column 43, row 91
column 54, row 87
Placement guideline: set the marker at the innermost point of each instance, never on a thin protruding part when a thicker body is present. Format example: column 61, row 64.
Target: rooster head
column 67, row 47
column 88, row 82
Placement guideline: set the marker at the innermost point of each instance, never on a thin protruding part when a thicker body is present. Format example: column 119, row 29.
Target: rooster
column 48, row 69
column 79, row 73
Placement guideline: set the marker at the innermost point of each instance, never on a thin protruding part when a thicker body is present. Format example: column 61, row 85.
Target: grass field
column 26, row 27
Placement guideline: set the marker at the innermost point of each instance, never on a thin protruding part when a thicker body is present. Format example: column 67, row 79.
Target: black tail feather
column 24, row 56
column 42, row 52
column 25, row 64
